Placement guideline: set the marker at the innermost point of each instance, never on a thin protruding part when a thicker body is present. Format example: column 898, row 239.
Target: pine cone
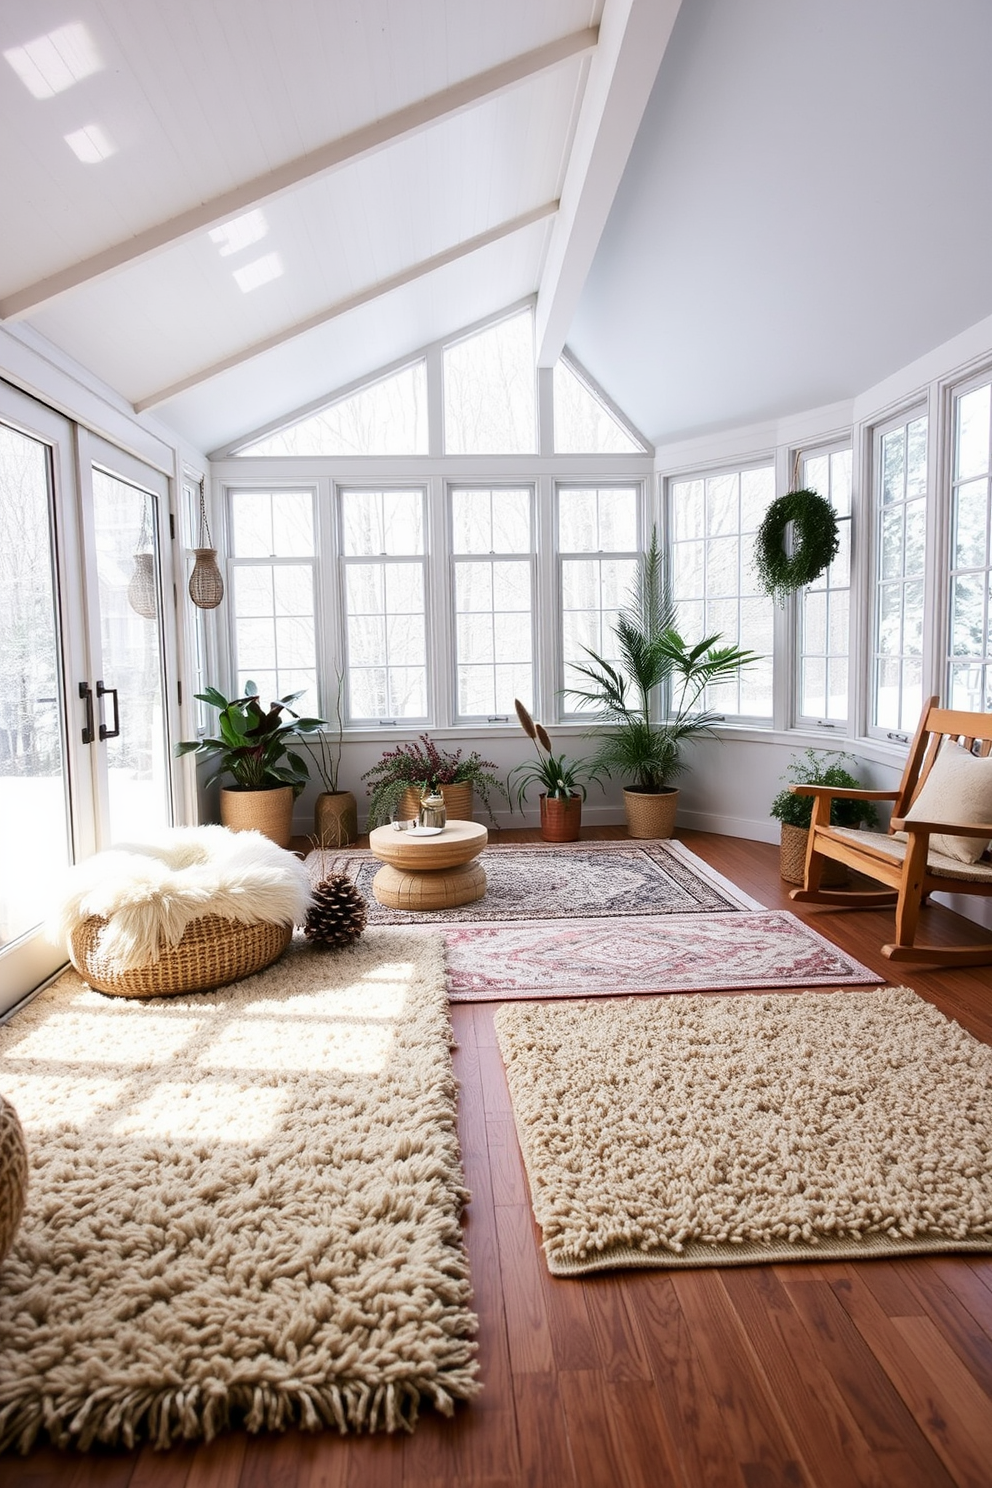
column 337, row 915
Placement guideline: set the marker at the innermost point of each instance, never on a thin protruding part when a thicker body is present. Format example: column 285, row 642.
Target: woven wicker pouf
column 211, row 952
column 13, row 1176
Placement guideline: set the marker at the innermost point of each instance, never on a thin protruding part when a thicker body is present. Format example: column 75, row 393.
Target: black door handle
column 86, row 693
column 101, row 692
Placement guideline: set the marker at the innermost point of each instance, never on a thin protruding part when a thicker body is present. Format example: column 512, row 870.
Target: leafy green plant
column 557, row 776
column 822, row 767
column 815, row 542
column 652, row 654
column 426, row 767
column 252, row 743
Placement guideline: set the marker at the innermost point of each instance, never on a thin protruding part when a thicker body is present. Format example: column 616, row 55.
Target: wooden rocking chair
column 903, row 857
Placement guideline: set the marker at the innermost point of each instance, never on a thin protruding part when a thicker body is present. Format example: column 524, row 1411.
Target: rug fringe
column 167, row 1418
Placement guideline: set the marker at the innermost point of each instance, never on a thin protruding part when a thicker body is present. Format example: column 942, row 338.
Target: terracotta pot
column 792, row 860
column 267, row 811
column 335, row 819
column 459, row 802
column 651, row 813
column 561, row 818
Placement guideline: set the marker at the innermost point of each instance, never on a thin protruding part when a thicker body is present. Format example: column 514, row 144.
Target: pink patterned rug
column 617, row 957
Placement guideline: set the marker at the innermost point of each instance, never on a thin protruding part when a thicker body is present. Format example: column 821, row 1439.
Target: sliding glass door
column 84, row 633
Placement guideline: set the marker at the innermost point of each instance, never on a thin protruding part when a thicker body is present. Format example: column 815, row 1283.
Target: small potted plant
column 563, row 781
column 335, row 811
column 816, row 767
column 398, row 781
column 252, row 746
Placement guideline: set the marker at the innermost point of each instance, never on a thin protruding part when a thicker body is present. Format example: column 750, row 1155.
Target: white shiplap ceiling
column 399, row 162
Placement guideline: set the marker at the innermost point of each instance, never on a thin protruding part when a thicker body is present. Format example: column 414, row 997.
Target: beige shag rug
column 714, row 1131
column 244, row 1206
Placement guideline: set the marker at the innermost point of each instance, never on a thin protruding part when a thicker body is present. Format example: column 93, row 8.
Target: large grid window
column 492, row 546
column 825, row 605
column 383, row 543
column 900, row 555
column 272, row 572
column 597, row 547
column 714, row 520
column 970, row 661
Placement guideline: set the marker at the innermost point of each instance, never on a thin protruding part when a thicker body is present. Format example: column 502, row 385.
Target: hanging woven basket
column 206, row 583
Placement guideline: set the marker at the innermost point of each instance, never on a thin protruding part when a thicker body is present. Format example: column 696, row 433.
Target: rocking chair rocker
column 938, row 838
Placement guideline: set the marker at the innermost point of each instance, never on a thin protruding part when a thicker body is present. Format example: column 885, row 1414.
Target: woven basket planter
column 13, row 1176
column 650, row 813
column 335, row 819
column 792, row 860
column 459, row 802
column 561, row 818
column 211, row 952
column 267, row 811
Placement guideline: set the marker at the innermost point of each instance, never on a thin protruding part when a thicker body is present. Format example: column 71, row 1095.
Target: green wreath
column 815, row 542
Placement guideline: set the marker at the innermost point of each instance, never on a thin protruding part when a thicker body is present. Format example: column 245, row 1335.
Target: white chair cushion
column 958, row 788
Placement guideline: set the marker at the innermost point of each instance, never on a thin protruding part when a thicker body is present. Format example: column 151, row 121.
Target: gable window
column 900, row 465
column 387, row 417
column 383, row 546
column 597, row 553
column 825, row 605
column 492, row 548
column 583, row 423
column 713, row 522
column 490, row 390
column 970, row 661
column 272, row 572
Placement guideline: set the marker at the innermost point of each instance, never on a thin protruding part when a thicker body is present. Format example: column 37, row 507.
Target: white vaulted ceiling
column 393, row 166
column 769, row 207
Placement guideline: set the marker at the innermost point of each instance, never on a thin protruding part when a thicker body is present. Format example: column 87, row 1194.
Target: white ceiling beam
column 373, row 292
column 633, row 37
column 371, row 138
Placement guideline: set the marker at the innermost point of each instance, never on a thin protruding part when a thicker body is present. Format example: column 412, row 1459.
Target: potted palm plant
column 816, row 767
column 252, row 746
column 652, row 655
column 563, row 781
column 398, row 781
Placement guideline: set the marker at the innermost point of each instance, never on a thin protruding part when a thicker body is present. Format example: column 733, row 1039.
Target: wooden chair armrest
column 948, row 828
column 839, row 792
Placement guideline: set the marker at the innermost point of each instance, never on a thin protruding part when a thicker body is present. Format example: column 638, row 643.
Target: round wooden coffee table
column 429, row 872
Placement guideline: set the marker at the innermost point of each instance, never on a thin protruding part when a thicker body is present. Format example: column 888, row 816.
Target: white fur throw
column 149, row 892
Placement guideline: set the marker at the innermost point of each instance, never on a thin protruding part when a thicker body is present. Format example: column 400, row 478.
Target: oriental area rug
column 244, row 1206
column 703, row 1131
column 536, row 881
column 596, row 919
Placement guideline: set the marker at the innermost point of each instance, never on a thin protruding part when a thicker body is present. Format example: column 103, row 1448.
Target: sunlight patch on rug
column 244, row 1205
column 714, row 1131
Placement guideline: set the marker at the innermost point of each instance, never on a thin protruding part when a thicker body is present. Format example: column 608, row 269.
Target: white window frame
column 454, row 558
column 346, row 560
column 736, row 468
column 271, row 488
column 956, row 392
column 824, row 583
column 562, row 712
column 902, row 420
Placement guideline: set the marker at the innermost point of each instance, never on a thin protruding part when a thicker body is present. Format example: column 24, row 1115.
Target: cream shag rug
column 705, row 1131
column 244, row 1206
